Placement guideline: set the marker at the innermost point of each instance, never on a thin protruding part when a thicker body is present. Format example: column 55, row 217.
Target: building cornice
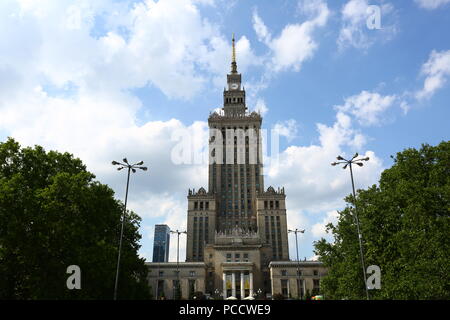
column 293, row 264
column 241, row 247
column 174, row 264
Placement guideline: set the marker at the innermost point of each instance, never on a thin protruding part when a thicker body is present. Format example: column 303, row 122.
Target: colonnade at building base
column 233, row 284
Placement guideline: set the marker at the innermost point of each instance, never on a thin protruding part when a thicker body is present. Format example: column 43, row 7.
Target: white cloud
column 405, row 107
column 101, row 129
column 354, row 31
column 260, row 28
column 178, row 50
column 314, row 188
column 319, row 229
column 67, row 89
column 66, row 72
column 305, row 171
column 340, row 134
column 295, row 44
column 436, row 70
column 431, row 4
column 261, row 107
column 287, row 129
column 368, row 107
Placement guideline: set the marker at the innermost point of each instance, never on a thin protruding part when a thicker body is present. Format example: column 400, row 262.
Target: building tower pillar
column 251, row 284
column 233, row 284
column 224, row 277
column 242, row 285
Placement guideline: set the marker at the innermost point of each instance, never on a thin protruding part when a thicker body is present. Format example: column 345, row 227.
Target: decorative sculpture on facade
column 236, row 232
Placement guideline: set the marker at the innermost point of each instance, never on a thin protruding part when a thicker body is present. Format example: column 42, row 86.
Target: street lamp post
column 131, row 168
column 157, row 279
column 218, row 293
column 178, row 255
column 298, row 262
column 348, row 163
column 259, row 293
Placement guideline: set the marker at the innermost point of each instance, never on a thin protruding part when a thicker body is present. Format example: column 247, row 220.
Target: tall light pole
column 298, row 262
column 131, row 168
column 178, row 255
column 348, row 163
column 157, row 279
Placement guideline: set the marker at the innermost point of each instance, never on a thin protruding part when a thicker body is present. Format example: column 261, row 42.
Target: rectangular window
column 284, row 288
column 316, row 283
column 228, row 257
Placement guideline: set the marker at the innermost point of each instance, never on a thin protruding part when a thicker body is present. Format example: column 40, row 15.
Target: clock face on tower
column 234, row 86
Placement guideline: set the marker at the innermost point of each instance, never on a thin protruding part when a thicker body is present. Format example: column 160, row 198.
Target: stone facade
column 162, row 278
column 237, row 229
column 242, row 278
column 285, row 279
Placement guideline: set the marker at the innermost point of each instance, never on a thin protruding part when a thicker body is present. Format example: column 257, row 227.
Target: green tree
column 54, row 214
column 405, row 226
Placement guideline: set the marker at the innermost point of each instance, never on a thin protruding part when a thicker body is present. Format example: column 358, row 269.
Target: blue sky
column 108, row 79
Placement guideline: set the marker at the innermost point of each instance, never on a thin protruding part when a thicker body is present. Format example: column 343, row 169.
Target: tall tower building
column 161, row 243
column 236, row 227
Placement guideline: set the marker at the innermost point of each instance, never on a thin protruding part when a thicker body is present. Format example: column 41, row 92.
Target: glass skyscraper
column 161, row 243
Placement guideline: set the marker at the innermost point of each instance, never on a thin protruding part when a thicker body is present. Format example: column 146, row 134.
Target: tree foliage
column 405, row 226
column 54, row 214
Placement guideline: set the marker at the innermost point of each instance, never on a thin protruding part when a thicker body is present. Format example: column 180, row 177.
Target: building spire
column 233, row 56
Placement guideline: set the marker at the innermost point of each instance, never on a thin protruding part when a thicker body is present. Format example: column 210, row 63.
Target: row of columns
column 233, row 284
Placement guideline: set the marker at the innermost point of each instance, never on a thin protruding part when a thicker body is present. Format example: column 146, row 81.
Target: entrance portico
column 237, row 281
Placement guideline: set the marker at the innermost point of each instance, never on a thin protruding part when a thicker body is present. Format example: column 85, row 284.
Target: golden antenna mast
column 233, row 55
